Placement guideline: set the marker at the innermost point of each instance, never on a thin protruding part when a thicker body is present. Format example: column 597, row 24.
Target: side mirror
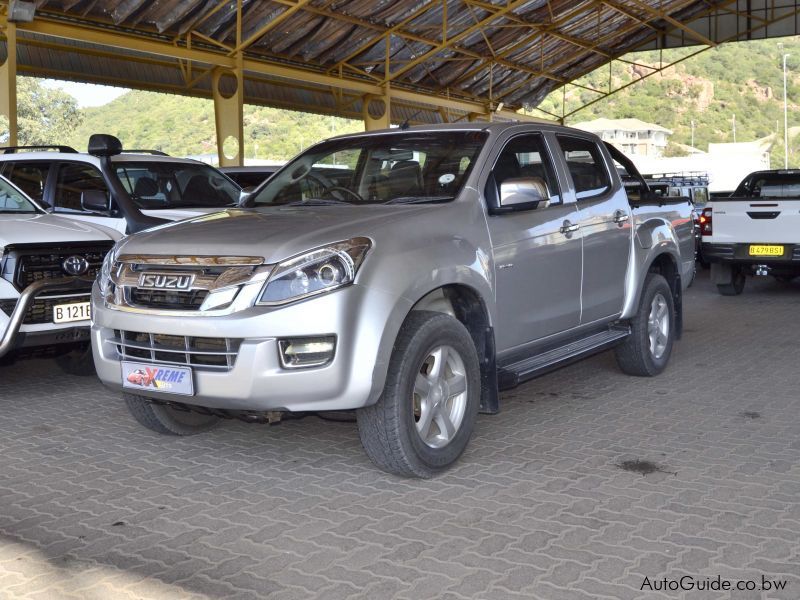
column 524, row 193
column 95, row 201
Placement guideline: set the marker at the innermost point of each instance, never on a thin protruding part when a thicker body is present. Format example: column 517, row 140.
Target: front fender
column 411, row 273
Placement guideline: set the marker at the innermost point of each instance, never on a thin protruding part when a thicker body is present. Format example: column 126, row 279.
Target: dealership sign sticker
column 156, row 378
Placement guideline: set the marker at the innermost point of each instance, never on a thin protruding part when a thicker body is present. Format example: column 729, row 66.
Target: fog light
column 299, row 353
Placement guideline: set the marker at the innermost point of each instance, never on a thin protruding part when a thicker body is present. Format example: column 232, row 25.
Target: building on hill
column 632, row 136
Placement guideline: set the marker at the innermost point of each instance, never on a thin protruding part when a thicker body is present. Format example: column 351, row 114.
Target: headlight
column 104, row 274
column 315, row 272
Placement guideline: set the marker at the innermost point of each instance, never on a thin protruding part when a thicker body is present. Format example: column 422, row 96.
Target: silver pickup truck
column 407, row 275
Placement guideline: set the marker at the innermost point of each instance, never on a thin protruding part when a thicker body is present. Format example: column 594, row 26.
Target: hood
column 274, row 233
column 50, row 229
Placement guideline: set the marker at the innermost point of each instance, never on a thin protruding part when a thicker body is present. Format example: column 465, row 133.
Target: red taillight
column 705, row 222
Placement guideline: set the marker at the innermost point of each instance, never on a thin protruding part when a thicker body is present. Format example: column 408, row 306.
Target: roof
column 90, row 158
column 438, row 60
column 619, row 125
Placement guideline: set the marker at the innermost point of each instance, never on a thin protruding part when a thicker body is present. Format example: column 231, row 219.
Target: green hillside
column 185, row 126
column 743, row 79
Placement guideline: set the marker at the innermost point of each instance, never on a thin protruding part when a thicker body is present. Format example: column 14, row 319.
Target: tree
column 44, row 115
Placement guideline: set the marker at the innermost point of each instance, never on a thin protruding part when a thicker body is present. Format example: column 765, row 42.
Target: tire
column 77, row 362
column 733, row 285
column 639, row 354
column 401, row 433
column 168, row 420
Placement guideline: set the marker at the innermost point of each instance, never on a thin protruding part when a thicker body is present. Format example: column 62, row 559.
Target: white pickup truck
column 755, row 231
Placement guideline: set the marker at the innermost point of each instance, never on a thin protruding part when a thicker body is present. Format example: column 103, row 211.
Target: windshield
column 154, row 185
column 14, row 201
column 393, row 168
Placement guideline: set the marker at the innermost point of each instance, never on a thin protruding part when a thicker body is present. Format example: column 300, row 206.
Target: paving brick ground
column 93, row 506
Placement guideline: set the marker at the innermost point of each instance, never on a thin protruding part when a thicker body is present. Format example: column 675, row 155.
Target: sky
column 87, row 94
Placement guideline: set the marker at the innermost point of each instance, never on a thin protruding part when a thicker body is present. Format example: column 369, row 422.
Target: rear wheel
column 730, row 280
column 425, row 416
column 646, row 351
column 166, row 419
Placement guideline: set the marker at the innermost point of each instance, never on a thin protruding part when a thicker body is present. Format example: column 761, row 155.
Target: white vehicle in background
column 106, row 185
column 47, row 267
column 755, row 231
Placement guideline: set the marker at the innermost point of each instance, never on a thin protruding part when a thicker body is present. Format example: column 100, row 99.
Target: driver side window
column 524, row 157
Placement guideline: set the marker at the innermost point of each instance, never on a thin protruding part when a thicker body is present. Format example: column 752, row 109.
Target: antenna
column 404, row 125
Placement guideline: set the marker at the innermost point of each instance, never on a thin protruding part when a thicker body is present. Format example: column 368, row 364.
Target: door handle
column 568, row 227
column 620, row 217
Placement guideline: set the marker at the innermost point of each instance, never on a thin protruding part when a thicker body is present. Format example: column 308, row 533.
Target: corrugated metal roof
column 514, row 52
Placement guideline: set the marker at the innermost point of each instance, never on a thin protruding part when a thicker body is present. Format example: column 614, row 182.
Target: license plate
column 146, row 377
column 77, row 311
column 765, row 250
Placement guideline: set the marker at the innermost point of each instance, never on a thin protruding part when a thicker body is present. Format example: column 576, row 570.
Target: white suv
column 88, row 186
column 47, row 266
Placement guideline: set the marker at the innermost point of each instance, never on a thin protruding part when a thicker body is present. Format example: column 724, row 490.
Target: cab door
column 605, row 221
column 537, row 251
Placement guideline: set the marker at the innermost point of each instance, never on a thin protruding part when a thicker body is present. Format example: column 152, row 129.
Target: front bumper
column 11, row 338
column 359, row 318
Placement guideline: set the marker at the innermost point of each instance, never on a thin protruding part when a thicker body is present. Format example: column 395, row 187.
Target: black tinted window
column 172, row 184
column 73, row 180
column 586, row 166
column 30, row 177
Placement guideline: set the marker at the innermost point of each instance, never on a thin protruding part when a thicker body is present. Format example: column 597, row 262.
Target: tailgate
column 756, row 221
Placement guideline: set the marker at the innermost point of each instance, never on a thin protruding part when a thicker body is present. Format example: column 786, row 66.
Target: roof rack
column 142, row 151
column 14, row 149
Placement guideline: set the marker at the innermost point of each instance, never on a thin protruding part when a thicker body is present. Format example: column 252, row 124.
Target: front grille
column 202, row 352
column 147, row 298
column 23, row 264
column 41, row 309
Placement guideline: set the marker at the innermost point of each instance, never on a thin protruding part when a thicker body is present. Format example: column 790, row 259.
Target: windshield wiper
column 418, row 199
column 317, row 202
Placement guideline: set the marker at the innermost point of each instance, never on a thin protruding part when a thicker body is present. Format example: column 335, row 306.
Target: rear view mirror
column 524, row 193
column 95, row 201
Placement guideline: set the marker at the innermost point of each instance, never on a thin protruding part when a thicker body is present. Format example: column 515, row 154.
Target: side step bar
column 515, row 373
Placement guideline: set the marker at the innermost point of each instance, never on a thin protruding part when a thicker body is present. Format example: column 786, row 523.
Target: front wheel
column 77, row 362
column 646, row 351
column 423, row 420
column 166, row 419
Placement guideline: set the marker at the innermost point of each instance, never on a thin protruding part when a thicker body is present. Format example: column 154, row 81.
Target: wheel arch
column 465, row 304
column 666, row 265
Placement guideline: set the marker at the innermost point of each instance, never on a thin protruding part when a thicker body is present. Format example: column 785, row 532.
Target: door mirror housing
column 523, row 193
column 95, row 201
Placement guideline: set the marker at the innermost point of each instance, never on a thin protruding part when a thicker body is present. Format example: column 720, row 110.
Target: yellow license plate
column 764, row 250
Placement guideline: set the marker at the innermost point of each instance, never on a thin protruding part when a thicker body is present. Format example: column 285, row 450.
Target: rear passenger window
column 73, row 180
column 30, row 177
column 586, row 166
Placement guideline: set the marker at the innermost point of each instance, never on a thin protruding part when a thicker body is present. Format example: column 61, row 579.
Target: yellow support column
column 8, row 84
column 376, row 111
column 229, row 115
